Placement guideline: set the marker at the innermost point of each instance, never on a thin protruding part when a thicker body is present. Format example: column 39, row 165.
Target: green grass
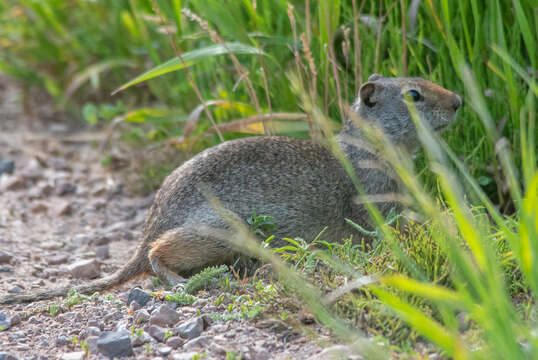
column 476, row 187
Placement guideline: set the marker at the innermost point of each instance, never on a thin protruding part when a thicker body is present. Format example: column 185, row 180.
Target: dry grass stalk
column 334, row 67
column 178, row 53
column 357, row 45
column 295, row 43
column 378, row 40
column 311, row 65
column 308, row 21
column 241, row 70
column 404, row 39
column 346, row 47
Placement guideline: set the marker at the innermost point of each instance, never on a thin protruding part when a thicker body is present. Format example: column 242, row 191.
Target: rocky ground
column 65, row 219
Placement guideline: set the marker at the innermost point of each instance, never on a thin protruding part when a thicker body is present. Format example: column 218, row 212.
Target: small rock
column 164, row 316
column 62, row 340
column 93, row 331
column 15, row 319
column 141, row 316
column 8, row 356
column 39, row 207
column 5, row 257
column 164, row 350
column 62, row 188
column 14, row 290
column 140, row 296
column 260, row 353
column 5, row 322
column 191, row 329
column 6, row 269
column 102, row 252
column 63, row 208
column 51, row 245
column 11, row 182
column 122, row 325
column 157, row 332
column 115, row 344
column 96, row 323
column 58, row 259
column 84, row 269
column 7, row 166
column 139, row 340
column 117, row 315
column 185, row 356
column 34, row 320
column 59, row 164
column 77, row 355
column 80, row 240
column 174, row 342
column 197, row 343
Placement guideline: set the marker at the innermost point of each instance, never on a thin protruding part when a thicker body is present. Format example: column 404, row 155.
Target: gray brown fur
column 300, row 183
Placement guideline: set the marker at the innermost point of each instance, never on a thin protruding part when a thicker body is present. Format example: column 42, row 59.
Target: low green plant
column 232, row 355
column 262, row 225
column 181, row 298
column 204, row 279
column 75, row 298
column 54, row 310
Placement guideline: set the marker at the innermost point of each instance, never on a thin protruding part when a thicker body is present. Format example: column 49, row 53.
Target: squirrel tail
column 137, row 265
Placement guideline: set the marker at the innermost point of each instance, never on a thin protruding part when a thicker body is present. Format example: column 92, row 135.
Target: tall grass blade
column 190, row 58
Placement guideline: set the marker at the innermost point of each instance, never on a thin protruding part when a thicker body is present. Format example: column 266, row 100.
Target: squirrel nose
column 457, row 102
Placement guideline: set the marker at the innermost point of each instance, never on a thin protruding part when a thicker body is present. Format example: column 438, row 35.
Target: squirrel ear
column 375, row 77
column 365, row 93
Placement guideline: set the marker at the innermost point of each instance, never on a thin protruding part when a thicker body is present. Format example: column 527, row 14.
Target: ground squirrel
column 298, row 182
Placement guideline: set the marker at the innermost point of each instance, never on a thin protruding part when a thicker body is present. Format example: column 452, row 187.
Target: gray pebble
column 7, row 356
column 139, row 340
column 174, row 342
column 191, row 329
column 62, row 340
column 140, row 296
column 14, row 290
column 5, row 257
column 7, row 166
column 185, row 356
column 141, row 316
column 77, row 355
column 115, row 344
column 164, row 350
column 157, row 332
column 5, row 321
column 164, row 316
column 102, row 252
column 85, row 269
column 197, row 343
column 93, row 331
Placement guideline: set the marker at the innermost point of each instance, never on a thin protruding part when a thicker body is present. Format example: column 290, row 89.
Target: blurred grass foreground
column 190, row 74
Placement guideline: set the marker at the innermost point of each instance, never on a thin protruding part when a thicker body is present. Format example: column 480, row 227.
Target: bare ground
column 59, row 207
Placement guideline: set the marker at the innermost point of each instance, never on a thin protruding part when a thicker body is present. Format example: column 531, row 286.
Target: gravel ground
column 65, row 219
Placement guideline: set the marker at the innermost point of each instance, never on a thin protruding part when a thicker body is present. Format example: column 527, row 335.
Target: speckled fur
column 297, row 182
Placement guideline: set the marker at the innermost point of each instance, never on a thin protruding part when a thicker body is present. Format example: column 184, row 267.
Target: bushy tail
column 137, row 265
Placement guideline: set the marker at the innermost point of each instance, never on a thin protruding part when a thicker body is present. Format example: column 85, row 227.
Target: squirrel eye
column 415, row 95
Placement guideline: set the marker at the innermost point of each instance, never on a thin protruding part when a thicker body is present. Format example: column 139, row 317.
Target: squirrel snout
column 457, row 102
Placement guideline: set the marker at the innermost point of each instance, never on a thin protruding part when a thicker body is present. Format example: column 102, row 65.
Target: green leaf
column 190, row 58
column 423, row 323
column 90, row 112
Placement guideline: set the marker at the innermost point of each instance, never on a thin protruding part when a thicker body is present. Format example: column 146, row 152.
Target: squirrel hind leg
column 183, row 251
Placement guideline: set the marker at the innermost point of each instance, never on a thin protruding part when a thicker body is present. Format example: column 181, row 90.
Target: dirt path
column 64, row 219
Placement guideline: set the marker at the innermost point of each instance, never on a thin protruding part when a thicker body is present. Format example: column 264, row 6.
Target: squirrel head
column 386, row 100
